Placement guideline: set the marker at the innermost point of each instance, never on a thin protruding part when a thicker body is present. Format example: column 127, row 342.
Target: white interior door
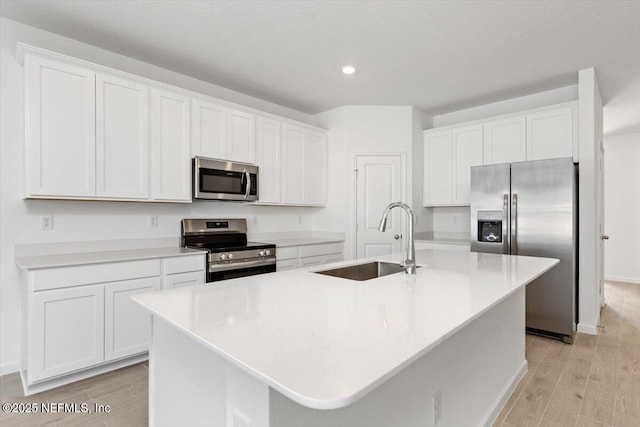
column 379, row 181
column 600, row 222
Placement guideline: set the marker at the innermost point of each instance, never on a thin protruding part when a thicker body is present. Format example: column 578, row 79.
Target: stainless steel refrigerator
column 530, row 208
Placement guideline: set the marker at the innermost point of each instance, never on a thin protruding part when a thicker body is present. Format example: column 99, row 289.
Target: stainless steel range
column 230, row 255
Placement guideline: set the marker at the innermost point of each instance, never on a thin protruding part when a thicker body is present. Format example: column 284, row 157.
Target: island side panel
column 475, row 371
column 190, row 385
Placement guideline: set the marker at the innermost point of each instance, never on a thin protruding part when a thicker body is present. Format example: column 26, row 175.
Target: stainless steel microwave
column 221, row 180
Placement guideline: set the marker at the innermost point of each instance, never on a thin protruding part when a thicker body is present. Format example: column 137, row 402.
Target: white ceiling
column 440, row 56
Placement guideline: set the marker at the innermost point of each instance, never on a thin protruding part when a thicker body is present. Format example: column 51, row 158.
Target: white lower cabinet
column 286, row 264
column 81, row 317
column 126, row 324
column 293, row 257
column 173, row 281
column 68, row 331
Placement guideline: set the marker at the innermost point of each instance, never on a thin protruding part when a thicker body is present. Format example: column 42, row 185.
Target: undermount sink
column 370, row 270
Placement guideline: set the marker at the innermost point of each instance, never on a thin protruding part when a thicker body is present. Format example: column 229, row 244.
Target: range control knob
column 268, row 252
column 261, row 252
column 223, row 256
column 230, row 256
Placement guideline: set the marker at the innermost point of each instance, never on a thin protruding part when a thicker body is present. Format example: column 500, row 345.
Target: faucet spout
column 410, row 263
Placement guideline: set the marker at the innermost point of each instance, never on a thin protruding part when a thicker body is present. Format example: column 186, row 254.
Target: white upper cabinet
column 242, row 137
column 438, row 168
column 209, row 129
column 448, row 157
column 268, row 160
column 170, row 146
column 505, row 140
column 93, row 132
column 60, row 132
column 467, row 152
column 315, row 168
column 122, row 138
column 293, row 164
column 550, row 134
column 220, row 132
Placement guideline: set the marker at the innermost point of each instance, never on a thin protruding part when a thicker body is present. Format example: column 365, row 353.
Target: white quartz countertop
column 301, row 241
column 63, row 260
column 324, row 341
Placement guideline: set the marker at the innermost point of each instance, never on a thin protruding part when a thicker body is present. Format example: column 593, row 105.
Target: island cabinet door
column 127, row 325
column 67, row 331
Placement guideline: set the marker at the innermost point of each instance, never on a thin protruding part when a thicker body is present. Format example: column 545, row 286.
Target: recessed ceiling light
column 348, row 69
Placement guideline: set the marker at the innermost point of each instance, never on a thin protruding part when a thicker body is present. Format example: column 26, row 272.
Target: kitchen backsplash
column 451, row 219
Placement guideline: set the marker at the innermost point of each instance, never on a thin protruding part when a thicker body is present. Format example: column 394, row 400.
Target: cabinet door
column 438, row 166
column 60, row 131
column 209, row 129
column 467, row 152
column 67, row 331
column 268, row 160
column 315, row 169
column 242, row 137
column 550, row 134
column 127, row 325
column 505, row 141
column 122, row 138
column 184, row 279
column 312, row 261
column 170, row 146
column 292, row 155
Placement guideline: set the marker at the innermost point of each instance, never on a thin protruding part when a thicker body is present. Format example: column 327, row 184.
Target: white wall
column 452, row 219
column 622, row 207
column 589, row 137
column 83, row 221
column 363, row 129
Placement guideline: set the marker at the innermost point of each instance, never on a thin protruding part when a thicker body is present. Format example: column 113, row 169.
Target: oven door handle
column 248, row 189
column 216, row 268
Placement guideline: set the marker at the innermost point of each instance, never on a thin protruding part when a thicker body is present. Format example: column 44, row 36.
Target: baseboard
column 502, row 401
column 9, row 368
column 634, row 280
column 587, row 329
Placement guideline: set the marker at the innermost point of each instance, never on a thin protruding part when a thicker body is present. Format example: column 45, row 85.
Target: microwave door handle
column 248, row 188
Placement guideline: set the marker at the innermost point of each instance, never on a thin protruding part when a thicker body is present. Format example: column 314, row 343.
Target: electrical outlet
column 455, row 219
column 46, row 222
column 153, row 221
column 436, row 401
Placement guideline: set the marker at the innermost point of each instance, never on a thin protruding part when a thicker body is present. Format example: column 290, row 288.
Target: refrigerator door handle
column 505, row 219
column 514, row 224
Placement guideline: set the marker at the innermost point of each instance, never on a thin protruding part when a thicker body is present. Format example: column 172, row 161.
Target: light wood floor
column 595, row 382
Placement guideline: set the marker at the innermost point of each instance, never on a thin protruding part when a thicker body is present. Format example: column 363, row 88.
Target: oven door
column 220, row 180
column 219, row 272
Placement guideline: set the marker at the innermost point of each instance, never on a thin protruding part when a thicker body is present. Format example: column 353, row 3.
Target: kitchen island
column 443, row 347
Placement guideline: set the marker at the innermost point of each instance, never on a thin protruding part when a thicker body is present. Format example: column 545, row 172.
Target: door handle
column 397, row 236
column 514, row 224
column 604, row 237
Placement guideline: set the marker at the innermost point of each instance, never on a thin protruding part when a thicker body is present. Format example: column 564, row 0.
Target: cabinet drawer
column 323, row 249
column 184, row 279
column 287, row 253
column 184, row 264
column 63, row 277
column 287, row 264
